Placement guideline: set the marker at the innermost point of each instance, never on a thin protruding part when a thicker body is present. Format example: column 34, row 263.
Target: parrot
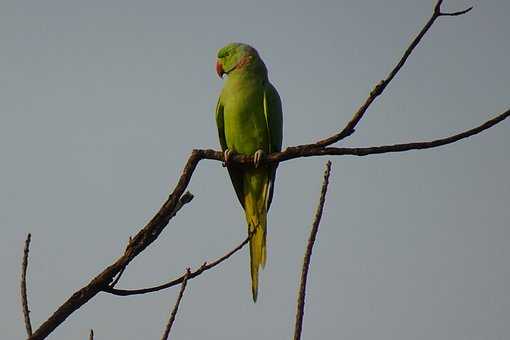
column 250, row 122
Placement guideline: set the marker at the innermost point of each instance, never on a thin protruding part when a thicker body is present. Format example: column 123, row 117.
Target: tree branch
column 24, row 299
column 437, row 10
column 310, row 150
column 175, row 282
column 176, row 306
column 150, row 232
column 156, row 225
column 379, row 88
column 143, row 238
column 308, row 254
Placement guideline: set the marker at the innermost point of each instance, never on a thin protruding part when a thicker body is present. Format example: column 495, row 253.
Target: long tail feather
column 256, row 218
column 257, row 258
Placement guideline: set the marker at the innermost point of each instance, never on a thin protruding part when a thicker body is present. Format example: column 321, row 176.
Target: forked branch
column 379, row 88
column 204, row 267
column 143, row 238
column 150, row 232
column 311, row 150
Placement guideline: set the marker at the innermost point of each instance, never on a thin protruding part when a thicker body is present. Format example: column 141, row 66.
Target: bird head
column 236, row 56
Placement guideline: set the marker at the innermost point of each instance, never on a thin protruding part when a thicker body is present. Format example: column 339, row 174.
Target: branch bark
column 176, row 306
column 24, row 299
column 206, row 266
column 298, row 327
column 141, row 241
column 379, row 88
column 150, row 232
column 311, row 150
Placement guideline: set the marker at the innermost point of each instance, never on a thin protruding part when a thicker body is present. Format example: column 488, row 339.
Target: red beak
column 219, row 69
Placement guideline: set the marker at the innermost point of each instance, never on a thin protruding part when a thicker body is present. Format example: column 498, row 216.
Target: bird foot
column 226, row 156
column 257, row 157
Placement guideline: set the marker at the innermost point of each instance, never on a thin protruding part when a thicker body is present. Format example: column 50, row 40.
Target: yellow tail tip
column 257, row 258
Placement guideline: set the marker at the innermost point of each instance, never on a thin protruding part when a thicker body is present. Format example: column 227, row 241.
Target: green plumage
column 249, row 120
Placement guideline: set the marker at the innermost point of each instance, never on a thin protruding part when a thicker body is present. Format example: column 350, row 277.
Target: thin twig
column 91, row 336
column 176, row 306
column 454, row 14
column 379, row 88
column 308, row 254
column 24, row 299
column 150, row 232
column 437, row 10
column 204, row 267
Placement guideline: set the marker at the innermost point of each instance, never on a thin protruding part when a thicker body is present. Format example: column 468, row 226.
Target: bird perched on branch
column 249, row 121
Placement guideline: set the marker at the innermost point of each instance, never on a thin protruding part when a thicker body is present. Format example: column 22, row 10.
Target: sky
column 101, row 103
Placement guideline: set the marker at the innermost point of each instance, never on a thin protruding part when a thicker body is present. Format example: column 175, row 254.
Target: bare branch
column 142, row 239
column 454, row 14
column 24, row 299
column 175, row 282
column 150, row 232
column 176, row 306
column 156, row 225
column 439, row 13
column 311, row 150
column 399, row 147
column 379, row 88
column 308, row 254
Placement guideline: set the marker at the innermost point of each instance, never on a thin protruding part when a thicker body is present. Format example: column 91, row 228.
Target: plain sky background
column 102, row 101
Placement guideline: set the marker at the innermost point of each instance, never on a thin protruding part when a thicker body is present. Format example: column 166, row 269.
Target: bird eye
column 223, row 54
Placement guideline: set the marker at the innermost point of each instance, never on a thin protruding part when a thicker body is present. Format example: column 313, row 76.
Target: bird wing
column 236, row 175
column 274, row 121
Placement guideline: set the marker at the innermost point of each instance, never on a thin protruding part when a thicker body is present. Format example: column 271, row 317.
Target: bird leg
column 257, row 157
column 226, row 156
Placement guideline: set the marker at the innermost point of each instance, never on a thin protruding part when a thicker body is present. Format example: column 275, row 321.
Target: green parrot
column 249, row 121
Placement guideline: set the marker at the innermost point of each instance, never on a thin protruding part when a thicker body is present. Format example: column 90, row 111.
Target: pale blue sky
column 102, row 101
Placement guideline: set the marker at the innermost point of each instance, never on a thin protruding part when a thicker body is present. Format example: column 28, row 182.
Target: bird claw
column 257, row 157
column 226, row 156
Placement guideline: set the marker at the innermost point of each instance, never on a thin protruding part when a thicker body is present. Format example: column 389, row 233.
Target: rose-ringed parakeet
column 249, row 120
